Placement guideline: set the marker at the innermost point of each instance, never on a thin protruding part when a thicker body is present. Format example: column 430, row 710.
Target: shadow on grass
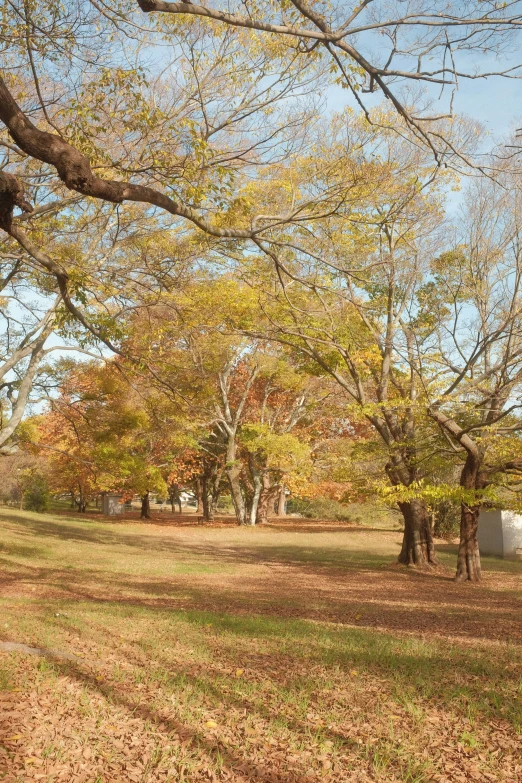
column 468, row 681
column 93, row 533
column 389, row 601
column 232, row 760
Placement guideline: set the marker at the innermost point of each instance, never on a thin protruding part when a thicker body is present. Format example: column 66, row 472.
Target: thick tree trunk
column 281, row 502
column 266, row 501
column 145, row 506
column 468, row 562
column 417, row 543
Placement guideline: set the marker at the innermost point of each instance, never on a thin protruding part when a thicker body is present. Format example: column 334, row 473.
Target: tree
column 356, row 310
column 476, row 349
column 178, row 144
column 100, row 436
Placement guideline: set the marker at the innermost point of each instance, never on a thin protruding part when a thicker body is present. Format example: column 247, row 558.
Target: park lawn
column 293, row 653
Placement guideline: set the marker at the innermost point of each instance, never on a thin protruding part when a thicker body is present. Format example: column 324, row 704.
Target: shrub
column 36, row 494
column 320, row 508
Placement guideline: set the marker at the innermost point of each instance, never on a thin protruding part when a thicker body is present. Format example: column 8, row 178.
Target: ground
column 291, row 653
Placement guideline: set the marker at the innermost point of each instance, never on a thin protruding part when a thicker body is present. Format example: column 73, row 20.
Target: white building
column 500, row 533
column 112, row 504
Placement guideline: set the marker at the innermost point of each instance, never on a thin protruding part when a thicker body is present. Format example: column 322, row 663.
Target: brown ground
column 107, row 595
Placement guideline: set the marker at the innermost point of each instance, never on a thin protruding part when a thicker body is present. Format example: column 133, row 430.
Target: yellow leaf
column 13, row 737
column 211, row 724
column 239, row 672
column 354, row 673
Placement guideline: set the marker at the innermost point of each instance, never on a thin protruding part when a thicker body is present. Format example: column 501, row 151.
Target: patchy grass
column 279, row 654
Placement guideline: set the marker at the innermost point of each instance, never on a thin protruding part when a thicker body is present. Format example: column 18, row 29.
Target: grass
column 234, row 654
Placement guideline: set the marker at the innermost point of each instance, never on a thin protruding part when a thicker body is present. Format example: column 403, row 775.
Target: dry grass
column 277, row 654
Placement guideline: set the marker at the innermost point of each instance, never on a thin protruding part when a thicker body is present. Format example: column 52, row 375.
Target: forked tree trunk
column 81, row 504
column 145, row 506
column 417, row 543
column 237, row 496
column 174, row 497
column 468, row 562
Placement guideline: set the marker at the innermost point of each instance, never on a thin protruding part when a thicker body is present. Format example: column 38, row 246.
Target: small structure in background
column 112, row 504
column 500, row 533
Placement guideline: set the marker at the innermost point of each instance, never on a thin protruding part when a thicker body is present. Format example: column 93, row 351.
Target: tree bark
column 266, row 501
column 468, row 562
column 281, row 502
column 417, row 543
column 208, row 506
column 256, row 495
column 233, row 470
column 233, row 474
column 145, row 506
column 199, row 495
column 174, row 497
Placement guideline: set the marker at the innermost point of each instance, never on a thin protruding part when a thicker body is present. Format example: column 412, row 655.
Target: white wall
column 500, row 533
column 490, row 538
column 512, row 529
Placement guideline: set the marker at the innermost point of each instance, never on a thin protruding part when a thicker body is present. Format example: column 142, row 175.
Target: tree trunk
column 256, row 495
column 468, row 562
column 208, row 508
column 281, row 502
column 233, row 470
column 417, row 543
column 145, row 506
column 266, row 501
column 233, row 474
column 174, row 497
column 199, row 496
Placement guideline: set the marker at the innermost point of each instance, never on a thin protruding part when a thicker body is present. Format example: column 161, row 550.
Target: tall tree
column 474, row 375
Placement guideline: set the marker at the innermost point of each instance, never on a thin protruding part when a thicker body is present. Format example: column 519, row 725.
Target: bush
column 225, row 504
column 320, row 508
column 36, row 495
